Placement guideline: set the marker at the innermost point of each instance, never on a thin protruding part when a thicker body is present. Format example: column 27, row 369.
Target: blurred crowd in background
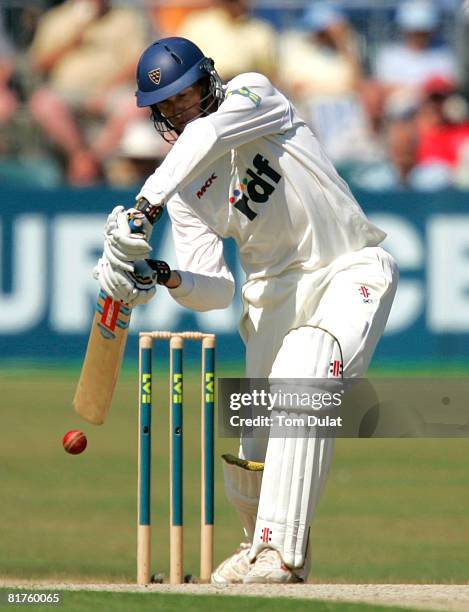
column 384, row 84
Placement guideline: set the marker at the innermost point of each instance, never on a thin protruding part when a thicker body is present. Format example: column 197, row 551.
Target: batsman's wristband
column 163, row 271
column 151, row 212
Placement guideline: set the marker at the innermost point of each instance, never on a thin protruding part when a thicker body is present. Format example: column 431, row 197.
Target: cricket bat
column 104, row 354
column 106, row 344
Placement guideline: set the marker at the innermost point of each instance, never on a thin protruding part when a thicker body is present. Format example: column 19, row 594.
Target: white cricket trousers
column 350, row 298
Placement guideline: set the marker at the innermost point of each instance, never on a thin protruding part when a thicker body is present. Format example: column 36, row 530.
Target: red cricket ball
column 74, row 442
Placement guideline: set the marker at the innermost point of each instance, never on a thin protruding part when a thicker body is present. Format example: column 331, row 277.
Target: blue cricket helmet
column 167, row 67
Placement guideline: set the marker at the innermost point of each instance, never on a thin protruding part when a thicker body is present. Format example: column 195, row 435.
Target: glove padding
column 121, row 246
column 132, row 288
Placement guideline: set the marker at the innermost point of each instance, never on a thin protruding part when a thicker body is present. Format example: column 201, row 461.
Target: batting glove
column 127, row 233
column 132, row 288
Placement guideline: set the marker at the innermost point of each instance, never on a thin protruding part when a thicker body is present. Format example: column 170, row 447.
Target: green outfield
column 394, row 510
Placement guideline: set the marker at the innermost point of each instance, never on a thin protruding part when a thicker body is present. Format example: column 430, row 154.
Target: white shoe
column 235, row 568
column 269, row 568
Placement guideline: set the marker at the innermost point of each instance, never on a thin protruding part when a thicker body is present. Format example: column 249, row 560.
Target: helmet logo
column 155, row 76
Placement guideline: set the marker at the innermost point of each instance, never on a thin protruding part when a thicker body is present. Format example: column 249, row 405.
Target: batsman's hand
column 127, row 234
column 133, row 288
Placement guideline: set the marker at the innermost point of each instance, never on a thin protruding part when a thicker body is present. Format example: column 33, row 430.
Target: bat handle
column 136, row 223
column 136, row 220
column 143, row 211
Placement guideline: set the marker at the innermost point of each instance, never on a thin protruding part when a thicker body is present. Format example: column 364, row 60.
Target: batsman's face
column 183, row 107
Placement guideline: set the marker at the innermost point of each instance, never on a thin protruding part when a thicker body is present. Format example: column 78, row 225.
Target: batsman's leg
column 297, row 461
column 338, row 340
column 242, row 485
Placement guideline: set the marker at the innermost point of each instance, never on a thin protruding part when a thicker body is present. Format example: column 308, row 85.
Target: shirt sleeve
column 207, row 283
column 252, row 109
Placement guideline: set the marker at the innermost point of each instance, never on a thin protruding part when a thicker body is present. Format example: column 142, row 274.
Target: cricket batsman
column 319, row 287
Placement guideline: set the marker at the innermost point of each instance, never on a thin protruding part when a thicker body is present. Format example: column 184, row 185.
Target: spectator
column 441, row 137
column 8, row 101
column 140, row 151
column 322, row 60
column 410, row 63
column 167, row 17
column 401, row 169
column 87, row 51
column 462, row 169
column 238, row 42
column 18, row 163
column 462, row 44
column 320, row 68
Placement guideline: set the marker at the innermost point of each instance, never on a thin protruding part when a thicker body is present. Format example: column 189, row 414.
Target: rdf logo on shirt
column 258, row 189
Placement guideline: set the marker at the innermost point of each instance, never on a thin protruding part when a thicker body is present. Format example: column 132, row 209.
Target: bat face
column 103, row 359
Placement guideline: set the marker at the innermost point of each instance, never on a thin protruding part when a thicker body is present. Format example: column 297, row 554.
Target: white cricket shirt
column 253, row 171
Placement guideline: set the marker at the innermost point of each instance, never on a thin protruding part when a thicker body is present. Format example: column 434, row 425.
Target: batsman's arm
column 164, row 275
column 206, row 280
